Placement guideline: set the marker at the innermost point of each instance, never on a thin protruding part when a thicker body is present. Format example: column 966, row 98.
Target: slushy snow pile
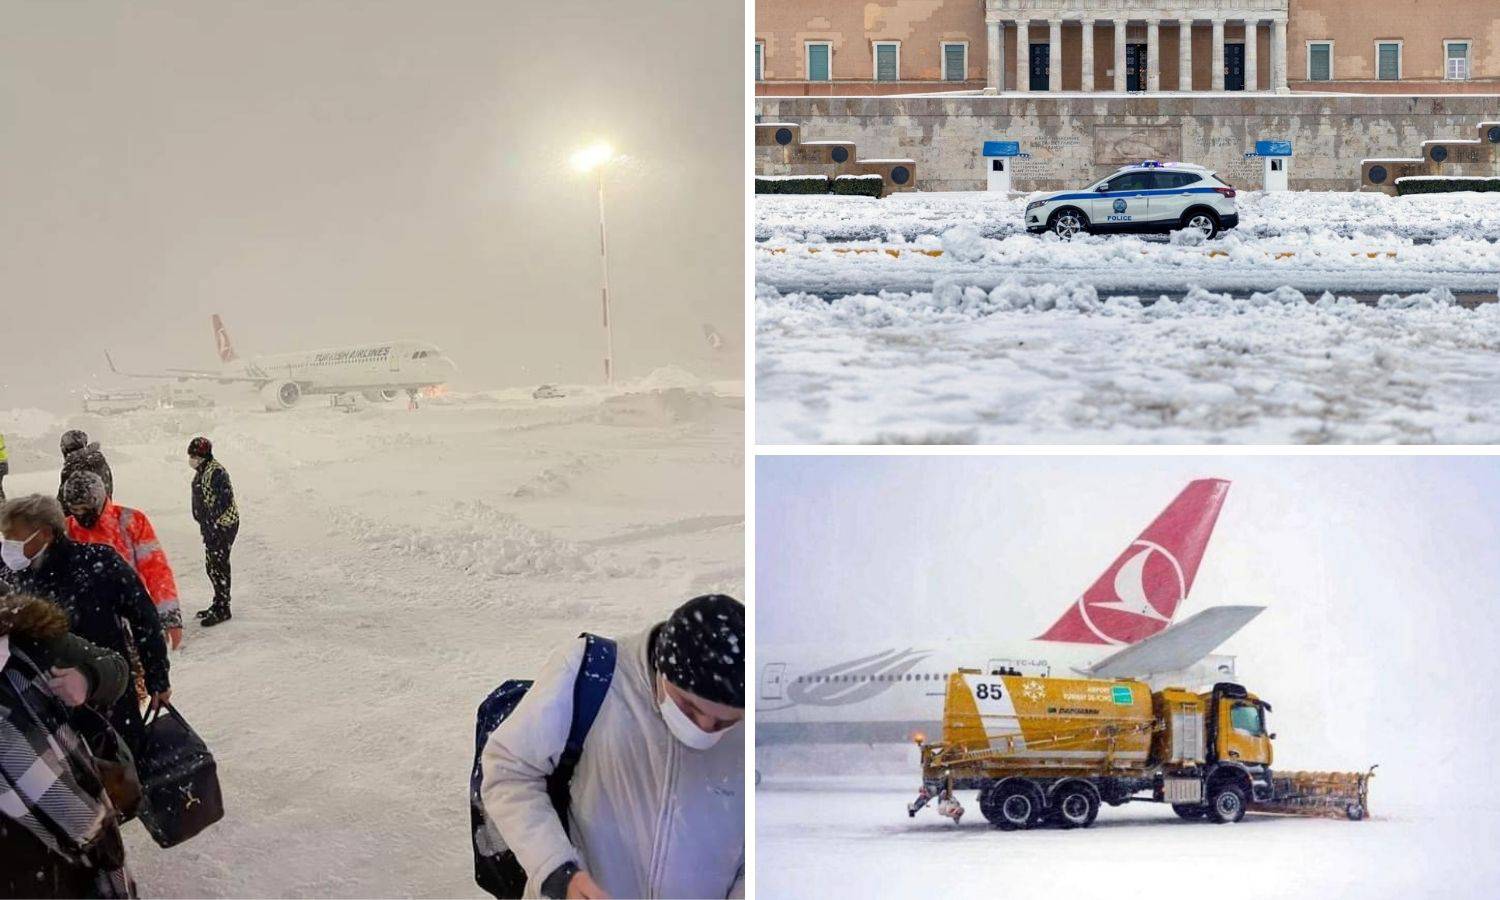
column 392, row 568
column 1017, row 338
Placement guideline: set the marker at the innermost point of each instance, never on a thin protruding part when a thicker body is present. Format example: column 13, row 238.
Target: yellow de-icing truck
column 1052, row 750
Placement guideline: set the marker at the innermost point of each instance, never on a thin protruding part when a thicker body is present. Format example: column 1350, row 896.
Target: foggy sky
column 353, row 171
column 1381, row 577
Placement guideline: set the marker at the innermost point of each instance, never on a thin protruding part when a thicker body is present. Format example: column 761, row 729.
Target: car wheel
column 1068, row 224
column 1205, row 223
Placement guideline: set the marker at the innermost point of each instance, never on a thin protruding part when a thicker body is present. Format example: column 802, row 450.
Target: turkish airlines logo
column 1146, row 589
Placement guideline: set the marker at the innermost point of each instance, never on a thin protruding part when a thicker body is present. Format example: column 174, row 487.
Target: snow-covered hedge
column 1444, row 184
column 791, row 184
column 859, row 185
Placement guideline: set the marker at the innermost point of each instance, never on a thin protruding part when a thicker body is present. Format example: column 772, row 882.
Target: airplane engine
column 385, row 396
column 279, row 395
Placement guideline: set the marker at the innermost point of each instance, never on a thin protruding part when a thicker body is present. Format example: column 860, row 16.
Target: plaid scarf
column 48, row 783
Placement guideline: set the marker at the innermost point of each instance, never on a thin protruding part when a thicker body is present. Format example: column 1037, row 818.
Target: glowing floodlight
column 592, row 157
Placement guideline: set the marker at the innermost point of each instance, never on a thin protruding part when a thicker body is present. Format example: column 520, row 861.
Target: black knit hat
column 84, row 488
column 701, row 649
column 73, row 439
column 201, row 447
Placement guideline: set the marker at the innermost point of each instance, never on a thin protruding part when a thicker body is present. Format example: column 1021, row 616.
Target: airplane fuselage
column 886, row 693
column 398, row 365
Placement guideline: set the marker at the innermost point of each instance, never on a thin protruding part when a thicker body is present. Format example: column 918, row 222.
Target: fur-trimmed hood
column 31, row 617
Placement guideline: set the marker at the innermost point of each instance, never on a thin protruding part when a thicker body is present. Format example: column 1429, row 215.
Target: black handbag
column 179, row 779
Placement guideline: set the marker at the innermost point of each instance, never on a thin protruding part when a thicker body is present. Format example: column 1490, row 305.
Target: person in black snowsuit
column 81, row 456
column 218, row 521
column 105, row 600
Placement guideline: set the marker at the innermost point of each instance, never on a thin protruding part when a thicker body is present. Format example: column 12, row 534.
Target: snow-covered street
column 852, row 837
column 392, row 569
column 936, row 318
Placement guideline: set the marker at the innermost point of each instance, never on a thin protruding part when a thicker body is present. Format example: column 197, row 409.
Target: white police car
column 1145, row 198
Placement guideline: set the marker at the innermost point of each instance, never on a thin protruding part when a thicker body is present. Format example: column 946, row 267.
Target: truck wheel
column 1355, row 812
column 1076, row 807
column 1018, row 808
column 1188, row 812
column 1226, row 804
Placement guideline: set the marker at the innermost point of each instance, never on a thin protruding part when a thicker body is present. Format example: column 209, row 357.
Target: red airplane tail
column 1139, row 593
column 221, row 341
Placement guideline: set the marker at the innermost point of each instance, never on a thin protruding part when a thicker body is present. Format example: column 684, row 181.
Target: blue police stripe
column 1152, row 193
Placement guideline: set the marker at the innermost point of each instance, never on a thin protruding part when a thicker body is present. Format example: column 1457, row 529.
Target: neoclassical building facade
column 842, row 47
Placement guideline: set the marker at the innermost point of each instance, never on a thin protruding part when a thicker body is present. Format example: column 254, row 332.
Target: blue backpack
column 496, row 868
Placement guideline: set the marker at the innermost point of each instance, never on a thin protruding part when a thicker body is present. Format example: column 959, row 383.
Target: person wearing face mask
column 81, row 456
column 657, row 806
column 99, row 592
column 218, row 520
column 93, row 518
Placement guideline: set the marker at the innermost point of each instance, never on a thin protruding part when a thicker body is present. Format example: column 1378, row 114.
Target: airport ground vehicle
column 1052, row 750
column 1149, row 197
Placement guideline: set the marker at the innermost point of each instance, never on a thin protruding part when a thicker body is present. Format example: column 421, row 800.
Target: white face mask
column 684, row 728
column 13, row 553
column 194, row 461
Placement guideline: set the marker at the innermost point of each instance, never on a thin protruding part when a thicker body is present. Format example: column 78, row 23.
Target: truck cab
column 1215, row 752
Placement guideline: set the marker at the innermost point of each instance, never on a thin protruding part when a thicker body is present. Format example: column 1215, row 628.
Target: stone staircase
column 780, row 150
column 1477, row 156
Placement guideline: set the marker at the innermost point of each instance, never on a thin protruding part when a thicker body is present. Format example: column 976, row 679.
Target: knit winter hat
column 201, row 447
column 73, row 440
column 84, row 489
column 701, row 649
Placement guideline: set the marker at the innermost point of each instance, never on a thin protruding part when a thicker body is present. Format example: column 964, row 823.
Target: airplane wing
column 1177, row 647
column 183, row 374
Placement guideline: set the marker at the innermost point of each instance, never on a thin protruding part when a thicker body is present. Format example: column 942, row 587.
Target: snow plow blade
column 1333, row 795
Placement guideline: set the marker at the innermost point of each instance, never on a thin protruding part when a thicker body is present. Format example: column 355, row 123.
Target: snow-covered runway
column 393, row 568
column 935, row 318
column 851, row 837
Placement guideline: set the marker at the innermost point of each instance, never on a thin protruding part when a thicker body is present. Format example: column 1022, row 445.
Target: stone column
column 1278, row 56
column 1252, row 65
column 1120, row 55
column 1054, row 56
column 1218, row 71
column 1088, row 55
column 1185, row 55
column 1023, row 55
column 994, row 73
column 1153, row 56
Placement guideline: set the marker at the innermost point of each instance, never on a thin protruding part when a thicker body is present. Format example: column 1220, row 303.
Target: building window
column 887, row 61
column 1456, row 54
column 1320, row 60
column 760, row 61
column 819, row 61
column 1388, row 60
column 955, row 62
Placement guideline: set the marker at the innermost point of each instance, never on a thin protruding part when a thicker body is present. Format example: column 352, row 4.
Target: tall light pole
column 595, row 158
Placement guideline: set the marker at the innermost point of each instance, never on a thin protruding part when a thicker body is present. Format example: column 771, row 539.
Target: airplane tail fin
column 1139, row 593
column 221, row 341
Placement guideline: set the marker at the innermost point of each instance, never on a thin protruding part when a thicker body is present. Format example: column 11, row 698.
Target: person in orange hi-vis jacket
column 94, row 518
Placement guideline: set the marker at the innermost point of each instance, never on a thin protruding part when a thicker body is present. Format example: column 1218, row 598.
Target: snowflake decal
column 1033, row 690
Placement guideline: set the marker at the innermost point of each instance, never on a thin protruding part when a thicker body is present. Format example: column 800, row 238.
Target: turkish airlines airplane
column 378, row 371
column 1121, row 627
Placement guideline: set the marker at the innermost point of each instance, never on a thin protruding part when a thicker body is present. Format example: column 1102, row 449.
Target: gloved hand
column 70, row 685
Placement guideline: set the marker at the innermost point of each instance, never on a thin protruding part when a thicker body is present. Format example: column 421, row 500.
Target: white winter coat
column 649, row 817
